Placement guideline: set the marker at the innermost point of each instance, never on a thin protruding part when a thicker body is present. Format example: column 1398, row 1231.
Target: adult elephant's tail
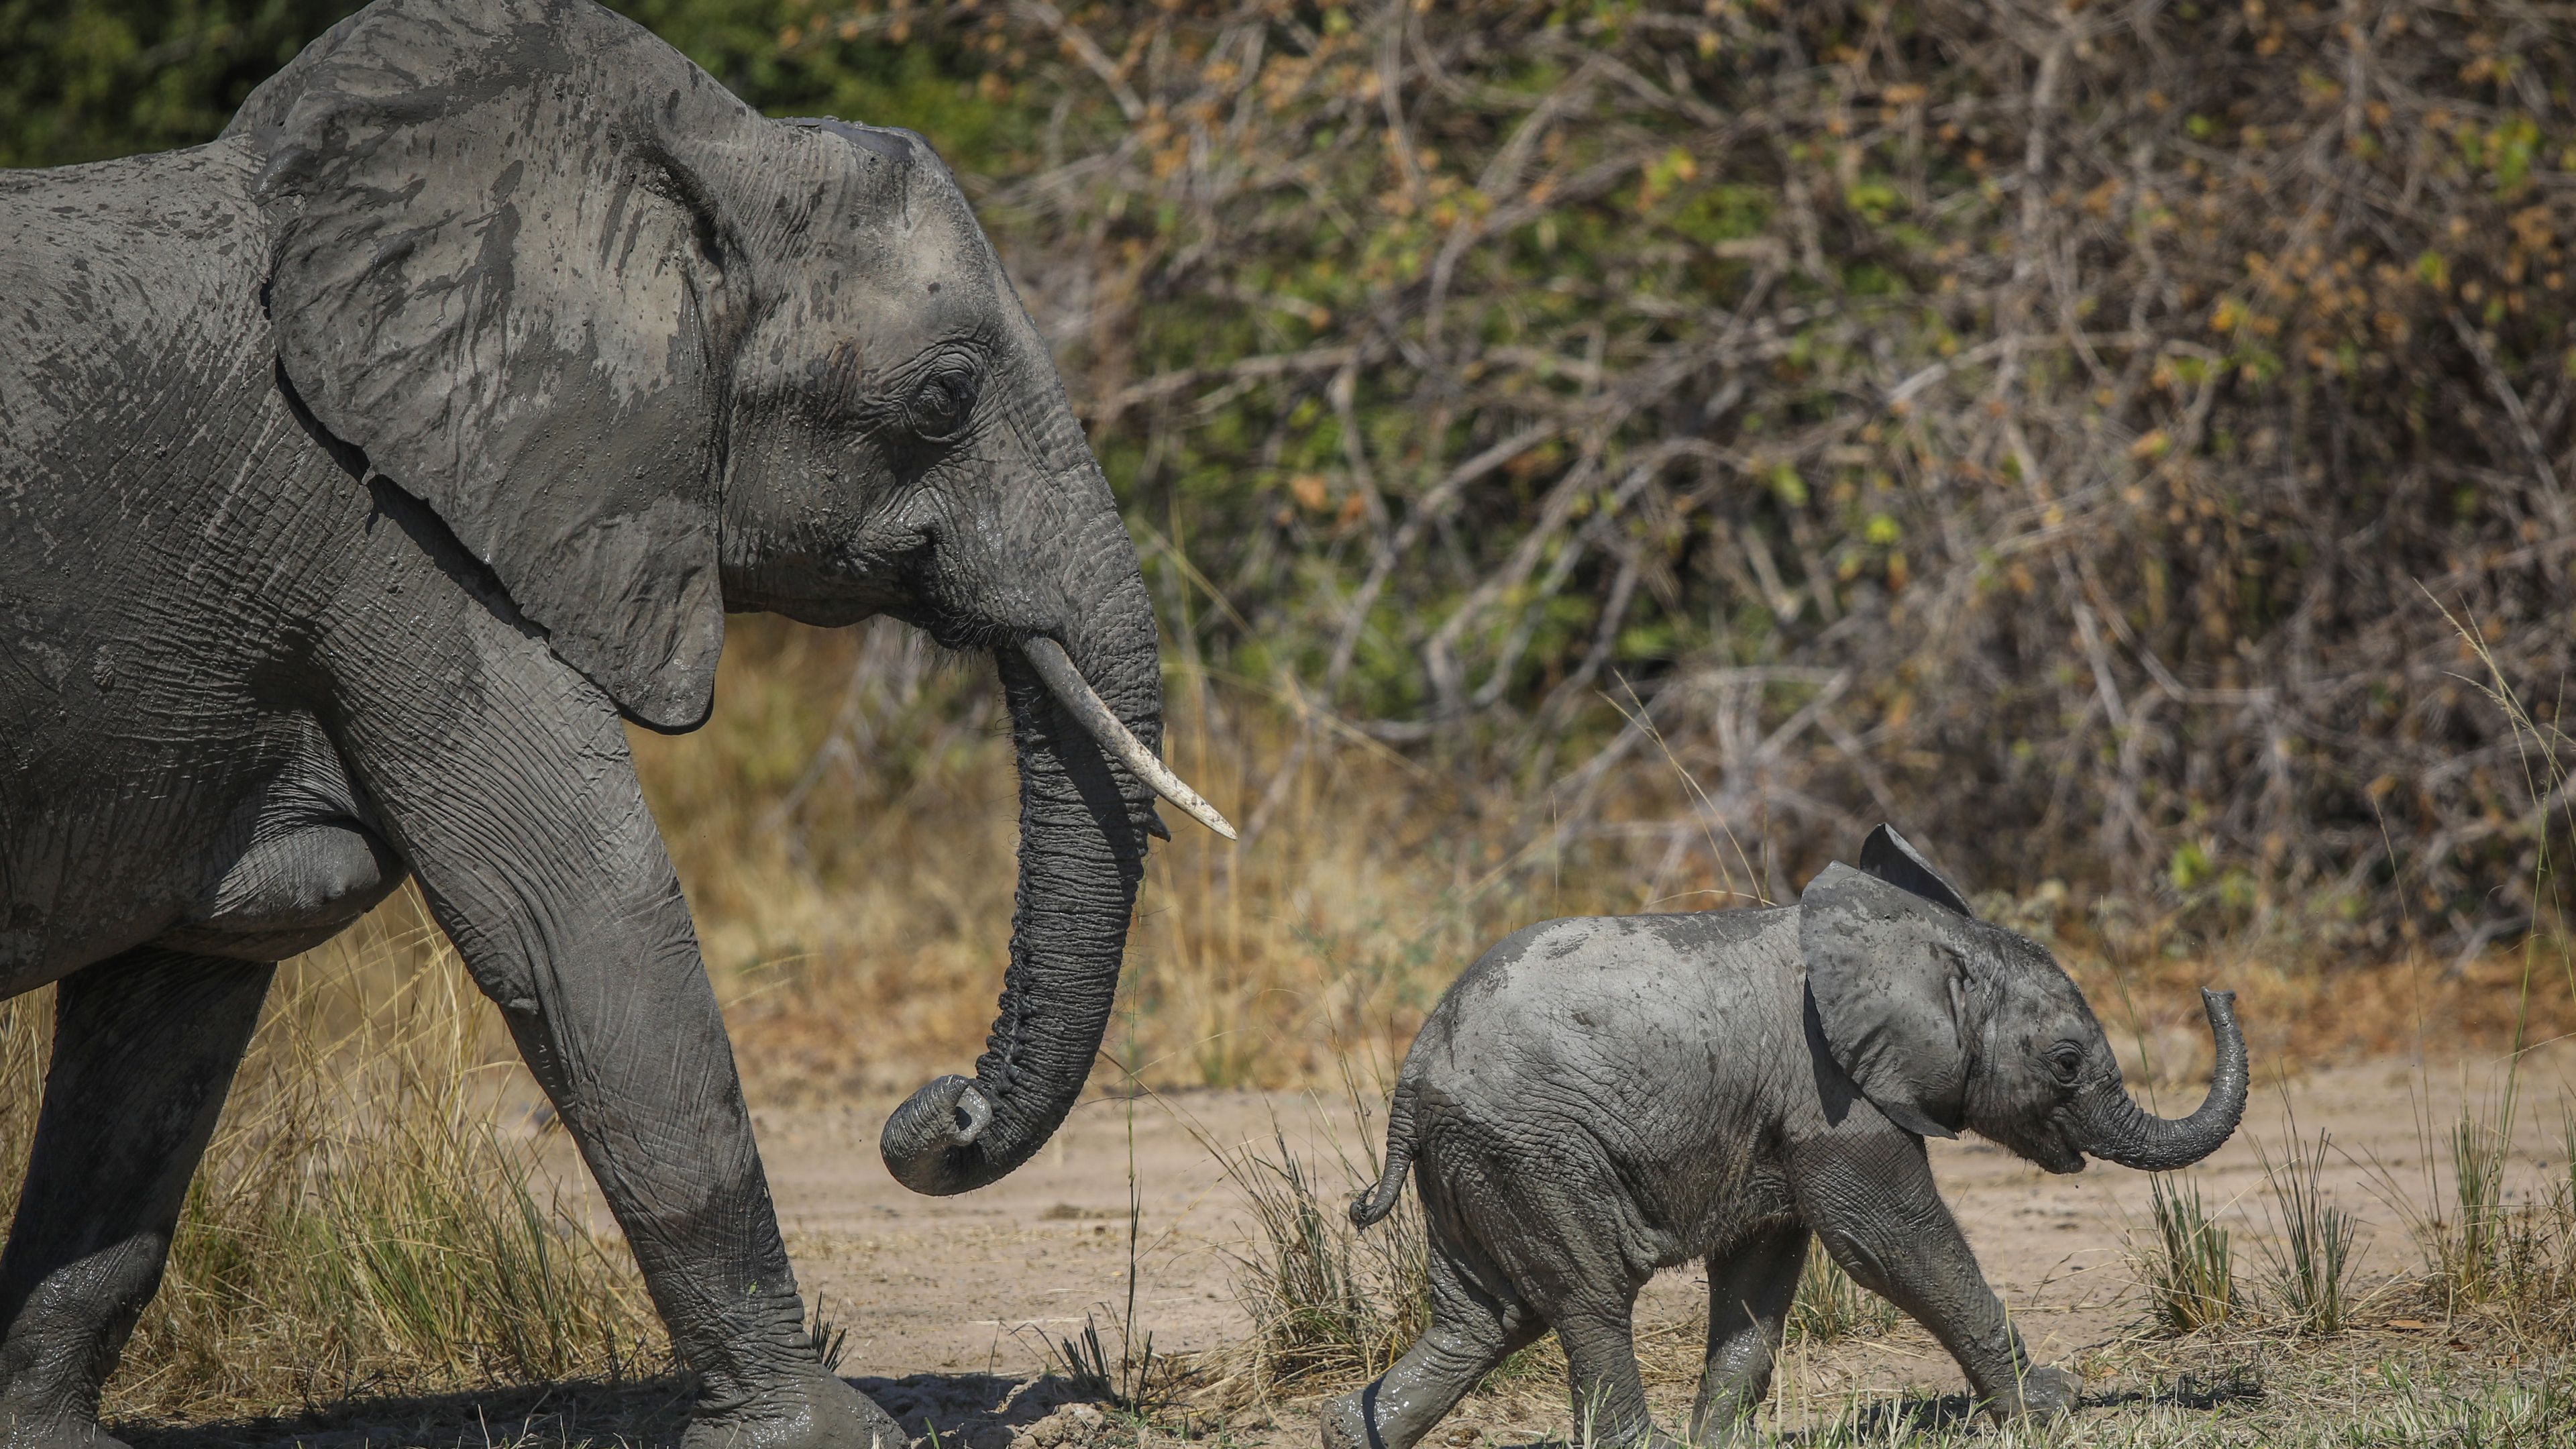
column 1379, row 1200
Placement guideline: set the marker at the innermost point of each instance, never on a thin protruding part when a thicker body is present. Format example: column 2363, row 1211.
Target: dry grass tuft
column 1830, row 1307
column 2188, row 1267
column 1330, row 1305
column 2488, row 1256
column 373, row 1216
column 2308, row 1255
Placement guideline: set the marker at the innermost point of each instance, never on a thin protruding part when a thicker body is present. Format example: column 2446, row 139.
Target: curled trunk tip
column 929, row 1142
column 2132, row 1137
column 1081, row 857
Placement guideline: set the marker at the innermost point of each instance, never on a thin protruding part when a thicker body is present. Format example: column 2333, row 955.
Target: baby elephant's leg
column 1601, row 1360
column 1878, row 1211
column 1749, row 1291
column 1476, row 1322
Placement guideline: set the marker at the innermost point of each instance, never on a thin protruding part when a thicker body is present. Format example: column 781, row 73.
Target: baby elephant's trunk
column 1379, row 1200
column 2124, row 1134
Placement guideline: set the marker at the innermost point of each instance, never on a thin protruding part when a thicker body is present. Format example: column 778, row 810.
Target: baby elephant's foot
column 2045, row 1392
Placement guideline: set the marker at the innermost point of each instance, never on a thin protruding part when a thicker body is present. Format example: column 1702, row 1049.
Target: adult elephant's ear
column 1884, row 968
column 497, row 268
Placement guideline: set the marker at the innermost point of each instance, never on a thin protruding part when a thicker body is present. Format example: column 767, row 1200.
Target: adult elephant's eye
column 943, row 399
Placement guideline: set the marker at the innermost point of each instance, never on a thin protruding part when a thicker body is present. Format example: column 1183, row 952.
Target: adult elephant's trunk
column 1083, row 822
column 2131, row 1137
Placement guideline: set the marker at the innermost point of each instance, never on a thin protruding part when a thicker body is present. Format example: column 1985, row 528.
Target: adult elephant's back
column 152, row 547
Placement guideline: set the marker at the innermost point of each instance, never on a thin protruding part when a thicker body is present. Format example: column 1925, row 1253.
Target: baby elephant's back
column 1651, row 1034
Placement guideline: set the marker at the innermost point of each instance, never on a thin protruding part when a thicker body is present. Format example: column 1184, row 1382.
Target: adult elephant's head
column 651, row 356
column 1944, row 1021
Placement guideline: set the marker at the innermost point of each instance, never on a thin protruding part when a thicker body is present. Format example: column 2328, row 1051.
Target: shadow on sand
column 1894, row 1419
column 962, row 1411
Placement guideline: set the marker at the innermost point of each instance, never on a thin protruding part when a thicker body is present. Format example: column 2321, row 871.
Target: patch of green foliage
column 1463, row 368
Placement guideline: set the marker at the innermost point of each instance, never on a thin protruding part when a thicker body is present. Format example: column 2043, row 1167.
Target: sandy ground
column 951, row 1305
column 979, row 1285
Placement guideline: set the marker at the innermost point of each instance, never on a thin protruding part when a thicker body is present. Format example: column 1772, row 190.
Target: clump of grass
column 1127, row 1382
column 369, row 1216
column 2308, row 1270
column 831, row 1340
column 2464, row 1247
column 2538, row 1300
column 1329, row 1304
column 2188, row 1268
column 1830, row 1307
column 2511, row 1263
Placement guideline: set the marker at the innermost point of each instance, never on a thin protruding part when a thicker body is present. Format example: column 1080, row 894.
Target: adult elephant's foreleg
column 602, row 988
column 621, row 1029
column 145, row 1047
column 517, row 808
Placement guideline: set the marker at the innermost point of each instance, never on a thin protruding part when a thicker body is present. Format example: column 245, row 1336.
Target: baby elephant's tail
column 1379, row 1200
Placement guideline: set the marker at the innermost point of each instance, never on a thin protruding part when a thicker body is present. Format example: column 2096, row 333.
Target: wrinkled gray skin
column 358, row 471
column 1597, row 1099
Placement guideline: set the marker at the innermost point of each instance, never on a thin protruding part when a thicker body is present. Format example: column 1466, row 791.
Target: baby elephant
column 1597, row 1099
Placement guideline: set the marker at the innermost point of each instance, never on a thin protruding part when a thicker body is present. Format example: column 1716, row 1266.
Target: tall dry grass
column 376, row 1212
column 844, row 827
column 1328, row 1303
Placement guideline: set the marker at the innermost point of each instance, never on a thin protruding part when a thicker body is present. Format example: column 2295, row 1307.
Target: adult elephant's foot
column 813, row 1411
column 2044, row 1392
column 31, row 1428
column 1739, row 1423
column 1346, row 1423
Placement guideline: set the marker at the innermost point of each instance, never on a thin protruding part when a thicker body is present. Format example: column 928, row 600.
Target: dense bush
column 2063, row 427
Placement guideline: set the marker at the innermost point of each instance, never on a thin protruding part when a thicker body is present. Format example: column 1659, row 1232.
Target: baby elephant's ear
column 1893, row 859
column 1884, row 968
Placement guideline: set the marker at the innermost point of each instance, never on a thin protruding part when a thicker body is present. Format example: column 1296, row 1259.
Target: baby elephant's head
column 1946, row 1022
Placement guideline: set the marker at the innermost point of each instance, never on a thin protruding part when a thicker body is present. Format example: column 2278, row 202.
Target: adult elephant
column 360, row 470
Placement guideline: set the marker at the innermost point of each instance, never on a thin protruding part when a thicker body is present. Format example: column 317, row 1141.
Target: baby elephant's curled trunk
column 2132, row 1137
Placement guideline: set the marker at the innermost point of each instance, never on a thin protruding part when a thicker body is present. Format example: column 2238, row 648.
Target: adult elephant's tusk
column 1071, row 690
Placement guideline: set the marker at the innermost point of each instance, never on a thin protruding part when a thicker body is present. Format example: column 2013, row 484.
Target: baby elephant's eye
column 944, row 398
column 2065, row 1062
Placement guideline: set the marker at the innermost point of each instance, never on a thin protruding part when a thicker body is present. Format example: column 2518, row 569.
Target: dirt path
column 951, row 1304
column 975, row 1285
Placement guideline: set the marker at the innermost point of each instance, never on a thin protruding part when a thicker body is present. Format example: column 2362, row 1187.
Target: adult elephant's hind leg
column 1475, row 1325
column 145, row 1045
